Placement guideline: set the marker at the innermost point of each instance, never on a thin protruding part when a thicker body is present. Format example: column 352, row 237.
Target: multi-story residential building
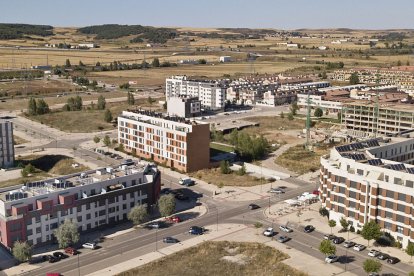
column 372, row 119
column 320, row 100
column 173, row 141
column 371, row 180
column 92, row 199
column 210, row 93
column 6, row 144
column 183, row 107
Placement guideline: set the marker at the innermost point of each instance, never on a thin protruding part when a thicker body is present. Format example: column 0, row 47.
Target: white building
column 318, row 101
column 87, row 45
column 183, row 107
column 225, row 59
column 210, row 94
column 6, row 144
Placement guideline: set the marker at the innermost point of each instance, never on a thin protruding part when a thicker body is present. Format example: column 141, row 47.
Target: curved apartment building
column 371, row 180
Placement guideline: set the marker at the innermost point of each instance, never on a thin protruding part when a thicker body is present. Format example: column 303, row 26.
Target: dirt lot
column 220, row 258
column 214, row 176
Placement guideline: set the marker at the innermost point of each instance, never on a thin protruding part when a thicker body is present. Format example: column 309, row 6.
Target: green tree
column 327, row 248
column 344, row 223
column 67, row 63
column 371, row 265
column 324, row 76
column 339, row 115
column 354, row 79
column 22, row 251
column 156, row 62
column 130, row 99
column 81, row 63
column 371, row 230
column 225, row 167
column 294, row 108
column 331, row 224
column 42, row 107
column 138, row 214
column 410, row 250
column 101, row 103
column 107, row 141
column 324, row 212
column 96, row 139
column 318, row 112
column 242, row 170
column 32, row 107
column 67, row 233
column 290, row 117
column 282, row 115
column 166, row 205
column 150, row 101
column 78, row 103
column 108, row 116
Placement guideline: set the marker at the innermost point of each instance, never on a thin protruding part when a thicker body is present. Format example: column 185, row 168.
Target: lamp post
column 156, row 239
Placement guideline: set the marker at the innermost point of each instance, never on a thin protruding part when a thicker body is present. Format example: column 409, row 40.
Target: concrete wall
column 250, row 168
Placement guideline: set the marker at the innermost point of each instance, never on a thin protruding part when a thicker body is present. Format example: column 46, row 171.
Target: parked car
column 155, row 225
column 276, row 191
column 60, row 255
column 181, row 196
column 359, row 247
column 374, row 253
column 253, row 206
column 71, row 251
column 331, row 259
column 52, row 259
column 329, row 237
column 38, row 259
column 170, row 240
column 269, row 232
column 283, row 239
column 285, row 229
column 173, row 219
column 383, row 256
column 196, row 230
column 186, row 181
column 374, row 274
column 53, row 274
column 349, row 244
column 89, row 245
column 338, row 240
column 315, row 192
column 165, row 191
column 393, row 260
column 309, row 228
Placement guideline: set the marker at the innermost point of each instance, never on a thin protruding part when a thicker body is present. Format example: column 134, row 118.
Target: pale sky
column 287, row 14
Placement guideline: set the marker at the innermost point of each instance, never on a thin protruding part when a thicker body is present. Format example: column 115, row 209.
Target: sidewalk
column 310, row 215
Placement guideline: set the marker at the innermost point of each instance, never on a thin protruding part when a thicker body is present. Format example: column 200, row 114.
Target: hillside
column 13, row 31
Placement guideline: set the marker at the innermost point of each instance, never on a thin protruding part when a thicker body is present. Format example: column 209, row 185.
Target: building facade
column 371, row 180
column 210, row 93
column 183, row 107
column 6, row 144
column 92, row 199
column 173, row 141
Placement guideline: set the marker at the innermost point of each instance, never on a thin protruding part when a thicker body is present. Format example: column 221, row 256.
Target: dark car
column 329, row 237
column 253, row 206
column 338, row 240
column 52, row 259
column 181, row 196
column 170, row 240
column 393, row 260
column 309, row 228
column 60, row 255
column 38, row 259
column 165, row 191
column 196, row 230
column 383, row 256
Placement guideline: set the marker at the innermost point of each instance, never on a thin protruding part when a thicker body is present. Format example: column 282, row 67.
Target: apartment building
column 173, row 141
column 321, row 100
column 371, row 180
column 6, row 144
column 388, row 119
column 210, row 93
column 91, row 198
column 183, row 107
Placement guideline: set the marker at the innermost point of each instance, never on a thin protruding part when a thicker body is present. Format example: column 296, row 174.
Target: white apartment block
column 6, row 144
column 183, row 107
column 318, row 101
column 91, row 199
column 210, row 94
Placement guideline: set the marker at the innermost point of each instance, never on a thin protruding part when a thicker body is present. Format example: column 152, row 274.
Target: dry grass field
column 215, row 177
column 212, row 258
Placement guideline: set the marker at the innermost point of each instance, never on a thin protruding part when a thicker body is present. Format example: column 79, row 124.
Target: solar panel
column 410, row 170
column 397, row 167
column 375, row 162
column 357, row 146
column 357, row 157
column 372, row 143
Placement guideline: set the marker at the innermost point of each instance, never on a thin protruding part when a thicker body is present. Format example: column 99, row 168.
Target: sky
column 287, row 14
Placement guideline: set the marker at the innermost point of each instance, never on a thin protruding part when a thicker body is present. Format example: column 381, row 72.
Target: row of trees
column 73, row 104
column 249, row 147
column 26, row 75
column 38, row 107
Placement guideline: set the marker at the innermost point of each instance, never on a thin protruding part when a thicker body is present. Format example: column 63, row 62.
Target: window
column 390, row 194
column 47, row 227
column 79, row 209
column 38, row 230
column 29, row 232
column 409, row 183
column 389, row 204
column 80, row 219
column 401, row 197
column 124, row 206
column 88, row 216
column 102, row 213
column 352, row 194
column 400, row 218
column 353, row 184
column 388, row 215
column 124, row 196
column 400, row 229
column 134, row 182
column 88, row 206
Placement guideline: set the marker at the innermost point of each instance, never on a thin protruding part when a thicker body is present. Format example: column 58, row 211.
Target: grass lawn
column 89, row 120
column 300, row 160
column 46, row 166
column 216, row 149
column 214, row 176
column 249, row 259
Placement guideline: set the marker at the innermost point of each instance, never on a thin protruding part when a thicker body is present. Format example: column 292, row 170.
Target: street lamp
column 156, row 239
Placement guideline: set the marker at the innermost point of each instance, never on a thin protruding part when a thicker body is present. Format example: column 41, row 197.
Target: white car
column 89, row 245
column 359, row 247
column 285, row 229
column 373, row 253
column 331, row 259
column 269, row 232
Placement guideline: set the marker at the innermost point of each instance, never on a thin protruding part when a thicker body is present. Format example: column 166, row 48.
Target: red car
column 71, row 251
column 173, row 219
column 315, row 192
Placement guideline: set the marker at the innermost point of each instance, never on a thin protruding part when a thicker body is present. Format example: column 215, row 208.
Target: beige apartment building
column 371, row 180
column 173, row 141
